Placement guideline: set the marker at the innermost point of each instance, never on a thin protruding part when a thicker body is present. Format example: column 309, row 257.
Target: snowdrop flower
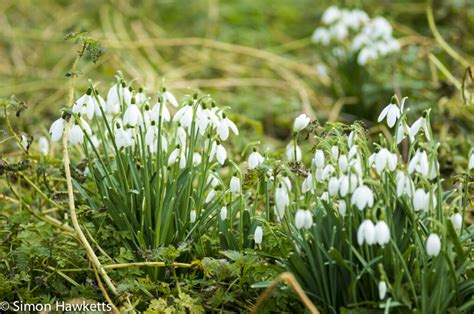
column 433, row 245
column 57, row 128
column 405, row 185
column 415, row 128
column 210, row 196
column 385, row 160
column 184, row 116
column 223, row 213
column 307, row 185
column 223, row 129
column 173, row 156
column 255, row 159
column 303, row 219
column 347, row 183
column 363, row 197
column 221, row 154
column 419, row 163
column 301, row 122
column 471, row 162
column 335, row 152
column 197, row 159
column 140, row 97
column 258, row 235
column 366, row 233
column 85, row 105
column 328, row 170
column 392, row 112
column 456, row 219
column 76, row 136
column 366, row 54
column 116, row 93
column 321, row 36
column 157, row 110
column 331, row 15
column 286, row 183
column 382, row 290
column 282, row 200
column 291, row 150
column 318, row 159
column 234, row 185
column 43, row 145
column 132, row 116
column 169, row 97
column 421, row 200
column 342, row 207
column 382, row 233
column 333, row 186
column 343, row 163
column 192, row 216
column 123, row 138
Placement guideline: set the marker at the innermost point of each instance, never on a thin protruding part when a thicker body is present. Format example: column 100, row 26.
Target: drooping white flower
column 57, row 128
column 282, row 200
column 255, row 159
column 210, row 196
column 184, row 116
column 456, row 219
column 197, row 159
column 318, row 159
column 192, row 216
column 347, row 184
column 258, row 235
column 132, row 116
column 392, row 112
column 333, row 186
column 76, row 135
column 343, row 163
column 223, row 129
column 43, row 145
column 117, row 93
column 385, row 160
column 169, row 97
column 433, row 245
column 328, row 170
column 419, row 163
column 363, row 197
column 303, row 219
column 335, row 152
column 382, row 290
column 123, row 138
column 223, row 213
column 382, row 233
column 293, row 152
column 331, row 15
column 85, row 105
column 342, row 207
column 234, row 185
column 173, row 156
column 417, row 126
column 405, row 185
column 221, row 154
column 421, row 200
column 157, row 110
column 286, row 182
column 366, row 233
column 307, row 185
column 301, row 122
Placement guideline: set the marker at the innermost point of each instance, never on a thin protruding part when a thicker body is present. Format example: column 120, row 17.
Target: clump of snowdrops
column 372, row 224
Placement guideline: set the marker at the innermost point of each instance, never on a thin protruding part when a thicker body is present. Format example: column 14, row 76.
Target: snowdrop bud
column 366, row 233
column 234, row 185
column 363, row 197
column 301, row 122
column 300, row 218
column 258, row 235
column 382, row 233
column 343, row 163
column 433, row 245
column 291, row 150
column 192, row 216
column 56, row 130
column 382, row 290
column 223, row 213
column 173, row 156
column 471, row 162
column 308, row 221
column 255, row 159
column 342, row 207
column 282, row 200
column 197, row 159
column 76, row 136
column 307, row 185
column 43, row 145
column 456, row 219
column 392, row 112
column 333, row 186
column 319, row 159
column 210, row 196
column 420, row 200
column 221, row 154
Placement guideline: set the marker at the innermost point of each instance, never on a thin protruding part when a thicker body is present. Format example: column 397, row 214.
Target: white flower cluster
column 369, row 38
